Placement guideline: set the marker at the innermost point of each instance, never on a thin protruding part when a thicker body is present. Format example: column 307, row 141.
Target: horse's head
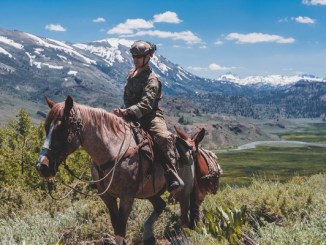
column 194, row 140
column 207, row 168
column 63, row 128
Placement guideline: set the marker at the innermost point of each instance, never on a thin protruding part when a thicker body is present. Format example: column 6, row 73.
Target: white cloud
column 139, row 27
column 314, row 2
column 186, row 36
column 212, row 67
column 218, row 42
column 304, row 20
column 258, row 37
column 197, row 68
column 129, row 25
column 216, row 67
column 283, row 20
column 99, row 19
column 53, row 27
column 167, row 17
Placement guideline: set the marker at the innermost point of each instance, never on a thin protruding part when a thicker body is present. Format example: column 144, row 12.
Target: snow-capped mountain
column 94, row 73
column 273, row 80
column 33, row 63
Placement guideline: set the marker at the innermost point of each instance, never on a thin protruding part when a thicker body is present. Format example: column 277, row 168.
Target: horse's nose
column 39, row 166
column 43, row 169
column 42, row 163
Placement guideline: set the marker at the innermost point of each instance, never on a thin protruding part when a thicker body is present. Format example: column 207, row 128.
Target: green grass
column 278, row 162
column 309, row 132
column 271, row 163
column 293, row 212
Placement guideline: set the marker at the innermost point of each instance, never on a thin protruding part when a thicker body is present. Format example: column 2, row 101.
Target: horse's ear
column 69, row 103
column 49, row 101
column 199, row 136
column 181, row 133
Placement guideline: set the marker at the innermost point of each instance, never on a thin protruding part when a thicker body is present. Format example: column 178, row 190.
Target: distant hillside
column 303, row 99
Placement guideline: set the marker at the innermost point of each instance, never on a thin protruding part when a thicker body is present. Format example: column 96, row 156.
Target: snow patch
column 160, row 65
column 38, row 50
column 115, row 42
column 273, row 80
column 53, row 66
column 59, row 46
column 110, row 54
column 10, row 42
column 62, row 57
column 74, row 73
column 3, row 51
column 31, row 60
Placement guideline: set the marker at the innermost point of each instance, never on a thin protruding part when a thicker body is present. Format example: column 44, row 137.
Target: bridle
column 74, row 127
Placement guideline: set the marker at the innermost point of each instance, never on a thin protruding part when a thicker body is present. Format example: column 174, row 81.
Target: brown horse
column 206, row 179
column 107, row 138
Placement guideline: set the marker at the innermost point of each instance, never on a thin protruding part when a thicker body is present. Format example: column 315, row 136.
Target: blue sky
column 206, row 37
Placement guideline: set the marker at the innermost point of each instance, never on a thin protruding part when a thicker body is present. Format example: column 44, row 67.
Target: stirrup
column 174, row 182
column 175, row 187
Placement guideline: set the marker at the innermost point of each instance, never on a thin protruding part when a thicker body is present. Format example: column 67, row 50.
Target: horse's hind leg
column 159, row 205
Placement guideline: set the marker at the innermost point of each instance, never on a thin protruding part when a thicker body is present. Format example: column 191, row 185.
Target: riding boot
column 174, row 182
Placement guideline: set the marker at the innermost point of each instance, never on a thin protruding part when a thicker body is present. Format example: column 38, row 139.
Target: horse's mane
column 100, row 117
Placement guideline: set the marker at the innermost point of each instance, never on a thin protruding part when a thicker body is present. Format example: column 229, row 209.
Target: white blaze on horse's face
column 48, row 139
column 44, row 165
column 43, row 159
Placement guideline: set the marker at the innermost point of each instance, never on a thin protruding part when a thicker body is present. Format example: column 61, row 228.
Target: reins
column 73, row 188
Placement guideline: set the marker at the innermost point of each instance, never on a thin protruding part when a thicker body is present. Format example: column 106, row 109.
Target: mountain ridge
column 32, row 66
column 273, row 80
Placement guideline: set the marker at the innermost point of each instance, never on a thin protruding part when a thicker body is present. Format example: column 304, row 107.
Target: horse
column 107, row 139
column 207, row 173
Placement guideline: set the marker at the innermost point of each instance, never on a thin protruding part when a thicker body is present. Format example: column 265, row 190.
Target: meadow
column 269, row 195
column 271, row 163
column 277, row 161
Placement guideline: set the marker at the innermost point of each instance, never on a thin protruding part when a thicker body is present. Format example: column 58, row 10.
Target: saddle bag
column 208, row 171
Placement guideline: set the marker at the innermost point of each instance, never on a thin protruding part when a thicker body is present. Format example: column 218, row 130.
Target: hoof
column 149, row 241
column 107, row 239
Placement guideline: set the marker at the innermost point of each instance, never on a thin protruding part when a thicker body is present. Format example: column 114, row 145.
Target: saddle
column 144, row 141
column 145, row 148
column 208, row 171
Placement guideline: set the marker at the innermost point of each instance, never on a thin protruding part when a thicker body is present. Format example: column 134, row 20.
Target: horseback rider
column 142, row 94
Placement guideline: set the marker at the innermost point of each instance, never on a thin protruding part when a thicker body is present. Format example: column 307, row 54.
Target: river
column 278, row 142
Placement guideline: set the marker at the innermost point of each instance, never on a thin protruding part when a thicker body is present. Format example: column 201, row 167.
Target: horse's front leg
column 125, row 207
column 159, row 205
column 184, row 195
column 112, row 205
column 184, row 210
column 194, row 209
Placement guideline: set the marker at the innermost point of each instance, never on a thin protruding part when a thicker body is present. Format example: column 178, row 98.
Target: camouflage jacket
column 142, row 94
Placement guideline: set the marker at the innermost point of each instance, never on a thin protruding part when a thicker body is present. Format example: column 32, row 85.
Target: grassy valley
column 275, row 190
column 278, row 161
